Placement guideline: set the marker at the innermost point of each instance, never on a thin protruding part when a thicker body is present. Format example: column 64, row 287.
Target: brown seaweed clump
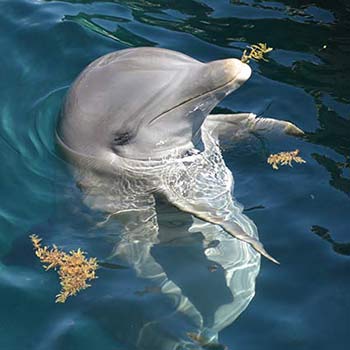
column 285, row 158
column 256, row 52
column 74, row 269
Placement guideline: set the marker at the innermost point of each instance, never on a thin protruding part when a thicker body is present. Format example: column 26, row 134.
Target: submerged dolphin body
column 139, row 118
column 136, row 127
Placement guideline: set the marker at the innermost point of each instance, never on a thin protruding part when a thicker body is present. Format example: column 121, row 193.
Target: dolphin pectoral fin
column 241, row 125
column 292, row 129
column 236, row 231
column 206, row 213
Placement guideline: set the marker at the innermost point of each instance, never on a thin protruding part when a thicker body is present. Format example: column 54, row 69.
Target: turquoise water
column 302, row 213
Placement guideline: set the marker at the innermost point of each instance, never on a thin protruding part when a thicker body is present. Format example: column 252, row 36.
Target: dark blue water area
column 302, row 212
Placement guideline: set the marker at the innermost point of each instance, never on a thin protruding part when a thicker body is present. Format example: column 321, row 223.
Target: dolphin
column 140, row 119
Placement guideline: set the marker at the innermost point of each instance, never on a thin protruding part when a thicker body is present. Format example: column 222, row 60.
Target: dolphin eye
column 121, row 139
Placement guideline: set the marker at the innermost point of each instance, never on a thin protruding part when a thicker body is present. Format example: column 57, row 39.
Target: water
column 302, row 213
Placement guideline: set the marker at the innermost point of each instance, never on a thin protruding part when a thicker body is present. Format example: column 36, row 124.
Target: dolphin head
column 141, row 103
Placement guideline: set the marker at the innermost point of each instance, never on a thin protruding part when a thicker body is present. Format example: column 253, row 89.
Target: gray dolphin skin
column 143, row 103
column 140, row 119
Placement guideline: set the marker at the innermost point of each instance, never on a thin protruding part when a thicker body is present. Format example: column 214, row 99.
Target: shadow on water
column 334, row 133
column 340, row 248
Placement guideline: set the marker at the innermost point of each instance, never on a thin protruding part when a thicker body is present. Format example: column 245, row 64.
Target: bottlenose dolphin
column 140, row 118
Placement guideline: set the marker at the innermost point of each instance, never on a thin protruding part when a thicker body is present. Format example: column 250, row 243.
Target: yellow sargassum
column 73, row 268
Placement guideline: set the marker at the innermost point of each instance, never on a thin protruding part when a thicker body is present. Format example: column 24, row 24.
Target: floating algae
column 256, row 52
column 285, row 158
column 74, row 269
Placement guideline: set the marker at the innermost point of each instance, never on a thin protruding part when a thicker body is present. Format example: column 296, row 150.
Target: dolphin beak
column 238, row 71
column 228, row 74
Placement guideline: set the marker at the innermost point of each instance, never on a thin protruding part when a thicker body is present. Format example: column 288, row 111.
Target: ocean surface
column 302, row 212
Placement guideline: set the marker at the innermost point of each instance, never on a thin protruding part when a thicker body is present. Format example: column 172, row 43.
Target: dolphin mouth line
column 159, row 116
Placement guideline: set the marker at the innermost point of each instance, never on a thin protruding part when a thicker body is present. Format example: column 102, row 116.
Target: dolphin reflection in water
column 136, row 126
